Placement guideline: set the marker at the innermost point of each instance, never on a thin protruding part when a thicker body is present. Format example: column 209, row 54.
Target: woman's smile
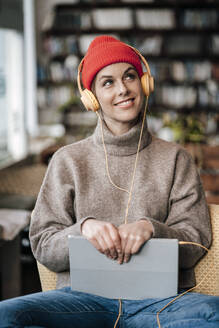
column 127, row 103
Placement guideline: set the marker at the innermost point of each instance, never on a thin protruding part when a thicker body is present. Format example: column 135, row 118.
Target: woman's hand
column 104, row 236
column 133, row 236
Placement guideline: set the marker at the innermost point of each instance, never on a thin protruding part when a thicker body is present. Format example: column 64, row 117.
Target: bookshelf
column 180, row 40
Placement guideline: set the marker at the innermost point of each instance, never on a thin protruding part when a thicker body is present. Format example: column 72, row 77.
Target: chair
column 210, row 262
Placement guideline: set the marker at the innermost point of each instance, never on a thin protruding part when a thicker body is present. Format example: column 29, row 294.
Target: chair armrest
column 48, row 278
column 210, row 262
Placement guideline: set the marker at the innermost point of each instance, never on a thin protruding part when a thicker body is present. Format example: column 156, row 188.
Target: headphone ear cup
column 145, row 84
column 89, row 100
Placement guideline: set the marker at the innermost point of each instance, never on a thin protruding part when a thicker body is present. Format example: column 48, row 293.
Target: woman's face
column 119, row 92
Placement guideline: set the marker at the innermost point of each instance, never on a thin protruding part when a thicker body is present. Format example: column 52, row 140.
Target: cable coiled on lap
column 178, row 296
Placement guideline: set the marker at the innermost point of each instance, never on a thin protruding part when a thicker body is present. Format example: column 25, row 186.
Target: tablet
column 152, row 273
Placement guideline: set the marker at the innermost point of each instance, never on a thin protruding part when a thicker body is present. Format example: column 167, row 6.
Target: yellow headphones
column 89, row 100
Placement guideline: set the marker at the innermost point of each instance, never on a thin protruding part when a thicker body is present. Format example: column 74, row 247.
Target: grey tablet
column 151, row 273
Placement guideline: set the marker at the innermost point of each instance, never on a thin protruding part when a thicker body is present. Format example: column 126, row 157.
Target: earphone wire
column 135, row 165
column 190, row 289
column 136, row 161
column 119, row 314
column 106, row 157
column 127, row 210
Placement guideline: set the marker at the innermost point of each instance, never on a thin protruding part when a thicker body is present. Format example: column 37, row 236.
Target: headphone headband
column 79, row 75
column 142, row 59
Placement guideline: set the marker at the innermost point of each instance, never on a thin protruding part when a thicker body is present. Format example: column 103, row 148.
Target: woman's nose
column 122, row 88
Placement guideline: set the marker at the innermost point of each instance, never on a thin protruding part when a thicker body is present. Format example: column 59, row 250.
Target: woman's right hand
column 104, row 236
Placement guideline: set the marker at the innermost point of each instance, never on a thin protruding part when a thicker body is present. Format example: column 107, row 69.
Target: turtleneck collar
column 125, row 144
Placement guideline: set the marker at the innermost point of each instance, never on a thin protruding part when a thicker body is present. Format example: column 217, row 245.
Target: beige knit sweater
column 167, row 191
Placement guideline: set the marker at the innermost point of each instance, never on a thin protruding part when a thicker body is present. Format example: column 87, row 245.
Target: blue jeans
column 65, row 308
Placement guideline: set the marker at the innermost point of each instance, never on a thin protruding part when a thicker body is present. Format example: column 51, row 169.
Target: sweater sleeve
column 188, row 216
column 53, row 218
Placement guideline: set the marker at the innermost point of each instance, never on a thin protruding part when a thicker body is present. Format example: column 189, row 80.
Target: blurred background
column 41, row 45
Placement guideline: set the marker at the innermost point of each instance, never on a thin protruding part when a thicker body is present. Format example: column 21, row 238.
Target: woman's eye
column 107, row 83
column 130, row 76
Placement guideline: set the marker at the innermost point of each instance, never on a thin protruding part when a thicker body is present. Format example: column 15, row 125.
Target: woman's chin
column 129, row 117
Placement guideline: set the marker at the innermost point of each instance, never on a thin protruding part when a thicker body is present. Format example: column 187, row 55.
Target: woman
column 92, row 186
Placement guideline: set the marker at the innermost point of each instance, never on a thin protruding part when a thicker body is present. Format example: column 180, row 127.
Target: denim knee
column 8, row 314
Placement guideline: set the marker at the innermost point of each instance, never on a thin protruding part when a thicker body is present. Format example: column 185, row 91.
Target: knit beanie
column 103, row 51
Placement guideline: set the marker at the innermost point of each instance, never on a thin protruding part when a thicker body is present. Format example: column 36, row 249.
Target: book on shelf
column 195, row 18
column 155, row 19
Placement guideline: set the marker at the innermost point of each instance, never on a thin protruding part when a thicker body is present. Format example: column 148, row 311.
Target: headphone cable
column 190, row 289
column 136, row 160
column 127, row 210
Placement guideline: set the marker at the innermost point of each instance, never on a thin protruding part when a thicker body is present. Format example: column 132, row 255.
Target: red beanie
column 103, row 51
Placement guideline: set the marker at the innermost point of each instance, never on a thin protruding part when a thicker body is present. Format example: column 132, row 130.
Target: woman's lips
column 125, row 103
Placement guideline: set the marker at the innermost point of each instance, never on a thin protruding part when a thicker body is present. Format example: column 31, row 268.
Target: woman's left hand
column 133, row 236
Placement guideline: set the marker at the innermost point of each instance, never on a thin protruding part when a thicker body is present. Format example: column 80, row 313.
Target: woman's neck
column 121, row 145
